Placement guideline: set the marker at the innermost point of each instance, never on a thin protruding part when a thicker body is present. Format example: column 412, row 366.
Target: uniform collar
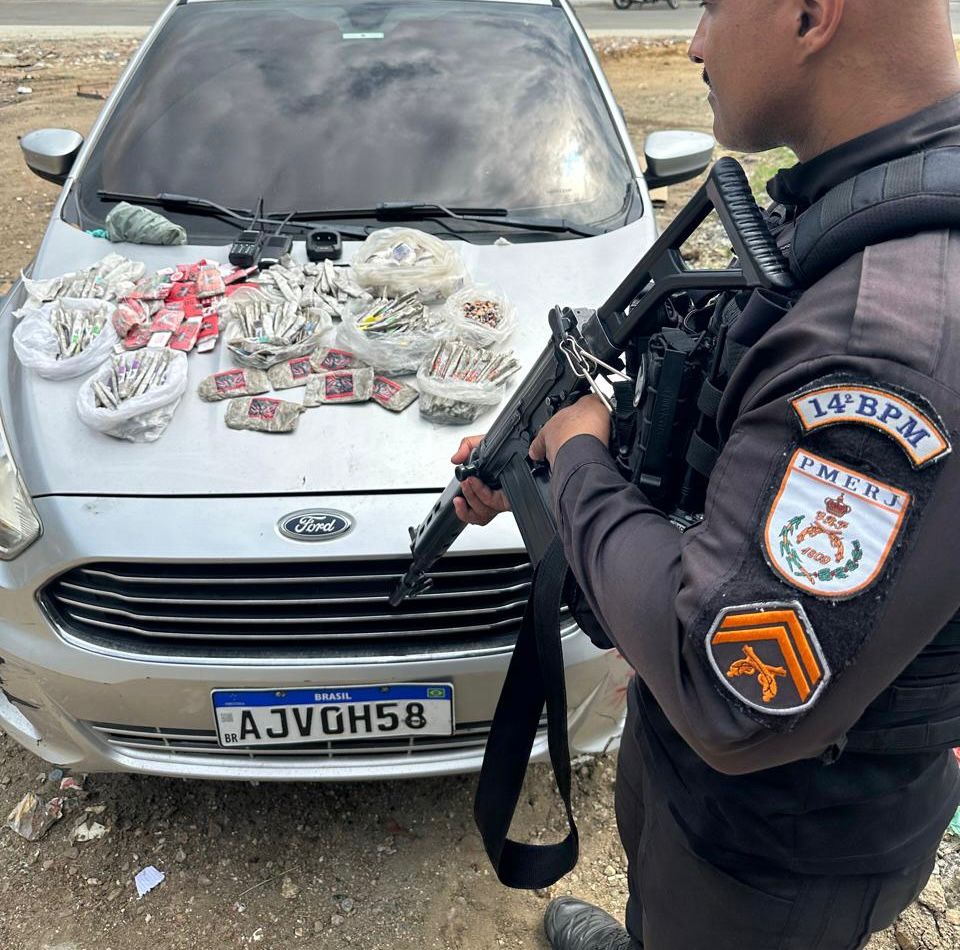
column 803, row 184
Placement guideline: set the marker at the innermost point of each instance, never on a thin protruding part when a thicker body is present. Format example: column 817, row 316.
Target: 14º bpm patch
column 830, row 529
column 904, row 417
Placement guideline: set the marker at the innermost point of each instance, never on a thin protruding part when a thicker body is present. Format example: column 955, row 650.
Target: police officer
column 785, row 772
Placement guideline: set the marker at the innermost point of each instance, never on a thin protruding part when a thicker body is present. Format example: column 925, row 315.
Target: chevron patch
column 768, row 656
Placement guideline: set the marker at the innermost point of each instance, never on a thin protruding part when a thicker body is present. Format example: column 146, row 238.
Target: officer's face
column 745, row 49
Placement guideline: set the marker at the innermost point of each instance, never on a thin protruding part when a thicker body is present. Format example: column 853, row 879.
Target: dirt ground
column 395, row 866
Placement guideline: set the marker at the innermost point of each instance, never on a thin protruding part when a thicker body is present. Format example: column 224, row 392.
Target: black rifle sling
column 535, row 676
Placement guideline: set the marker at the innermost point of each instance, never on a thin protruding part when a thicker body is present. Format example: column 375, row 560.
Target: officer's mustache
column 706, row 78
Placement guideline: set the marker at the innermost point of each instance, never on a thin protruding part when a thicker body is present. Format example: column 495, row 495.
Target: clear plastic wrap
column 480, row 314
column 39, row 347
column 267, row 329
column 110, row 278
column 392, row 335
column 396, row 261
column 139, row 418
column 459, row 382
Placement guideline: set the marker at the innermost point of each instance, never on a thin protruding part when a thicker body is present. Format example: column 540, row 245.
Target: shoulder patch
column 830, row 529
column 768, row 656
column 905, row 417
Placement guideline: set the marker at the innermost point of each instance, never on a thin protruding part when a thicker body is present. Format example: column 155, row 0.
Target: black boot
column 572, row 924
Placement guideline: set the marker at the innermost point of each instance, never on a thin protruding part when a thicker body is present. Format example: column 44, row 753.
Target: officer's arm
column 822, row 566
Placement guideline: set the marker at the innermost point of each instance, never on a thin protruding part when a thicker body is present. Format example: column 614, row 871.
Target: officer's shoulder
column 892, row 301
column 907, row 295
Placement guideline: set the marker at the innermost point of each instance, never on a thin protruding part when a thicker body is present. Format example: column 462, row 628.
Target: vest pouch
column 674, row 371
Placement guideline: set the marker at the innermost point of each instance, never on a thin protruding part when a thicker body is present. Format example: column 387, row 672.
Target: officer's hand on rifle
column 587, row 416
column 480, row 504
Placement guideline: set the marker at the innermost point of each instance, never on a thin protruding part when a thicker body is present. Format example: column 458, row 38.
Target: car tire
column 623, row 4
column 673, row 4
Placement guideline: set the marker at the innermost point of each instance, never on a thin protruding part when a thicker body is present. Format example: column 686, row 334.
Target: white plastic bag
column 37, row 347
column 395, row 261
column 398, row 353
column 142, row 418
column 453, row 402
column 480, row 314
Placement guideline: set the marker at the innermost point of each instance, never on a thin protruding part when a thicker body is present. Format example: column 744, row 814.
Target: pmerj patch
column 905, row 417
column 768, row 656
column 831, row 529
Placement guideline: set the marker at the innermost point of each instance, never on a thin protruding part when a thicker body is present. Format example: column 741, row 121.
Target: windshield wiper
column 200, row 206
column 418, row 211
column 203, row 207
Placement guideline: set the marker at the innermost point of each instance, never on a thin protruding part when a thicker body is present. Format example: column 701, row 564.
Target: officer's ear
column 816, row 23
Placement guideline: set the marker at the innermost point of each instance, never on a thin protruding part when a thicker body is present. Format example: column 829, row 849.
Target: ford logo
column 315, row 524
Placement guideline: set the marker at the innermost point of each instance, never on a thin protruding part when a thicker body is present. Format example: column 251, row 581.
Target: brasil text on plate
column 831, row 529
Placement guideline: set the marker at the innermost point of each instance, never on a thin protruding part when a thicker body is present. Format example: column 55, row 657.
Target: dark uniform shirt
column 826, row 561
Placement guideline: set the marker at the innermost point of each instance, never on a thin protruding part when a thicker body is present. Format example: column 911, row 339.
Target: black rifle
column 583, row 343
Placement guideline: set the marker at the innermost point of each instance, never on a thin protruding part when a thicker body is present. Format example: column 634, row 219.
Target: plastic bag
column 38, row 348
column 262, row 355
column 449, row 403
column 481, row 315
column 459, row 382
column 139, row 225
column 396, row 261
column 140, row 418
column 110, row 278
column 266, row 330
column 397, row 350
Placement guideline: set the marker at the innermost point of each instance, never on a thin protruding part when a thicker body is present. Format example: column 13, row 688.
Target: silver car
column 214, row 604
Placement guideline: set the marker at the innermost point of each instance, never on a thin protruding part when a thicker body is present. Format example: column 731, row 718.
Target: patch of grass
column 766, row 165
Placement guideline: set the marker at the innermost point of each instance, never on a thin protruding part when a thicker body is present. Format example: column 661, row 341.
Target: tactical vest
column 895, row 757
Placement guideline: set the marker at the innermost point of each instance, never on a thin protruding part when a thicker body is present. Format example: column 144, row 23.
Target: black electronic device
column 247, row 246
column 274, row 247
column 247, row 249
column 324, row 245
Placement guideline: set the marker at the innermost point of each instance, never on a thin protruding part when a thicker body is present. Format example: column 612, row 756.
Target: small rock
column 289, row 890
column 346, row 905
column 114, row 893
column 180, row 856
column 933, row 896
column 24, row 90
column 337, row 920
column 204, row 881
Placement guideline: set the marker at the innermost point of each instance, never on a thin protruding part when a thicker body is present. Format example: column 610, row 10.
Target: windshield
column 338, row 105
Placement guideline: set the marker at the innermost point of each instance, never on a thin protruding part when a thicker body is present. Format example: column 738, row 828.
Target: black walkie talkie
column 276, row 245
column 247, row 247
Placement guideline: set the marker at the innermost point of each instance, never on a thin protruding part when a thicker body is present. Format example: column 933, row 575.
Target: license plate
column 255, row 717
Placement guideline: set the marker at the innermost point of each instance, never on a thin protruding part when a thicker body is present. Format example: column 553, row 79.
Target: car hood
column 336, row 449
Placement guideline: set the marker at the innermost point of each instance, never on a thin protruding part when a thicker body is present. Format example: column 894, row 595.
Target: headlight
column 19, row 523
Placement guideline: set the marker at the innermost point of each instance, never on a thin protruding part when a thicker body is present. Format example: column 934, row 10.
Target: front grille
column 320, row 608
column 136, row 740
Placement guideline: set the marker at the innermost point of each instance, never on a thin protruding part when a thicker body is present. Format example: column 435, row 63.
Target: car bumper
column 92, row 708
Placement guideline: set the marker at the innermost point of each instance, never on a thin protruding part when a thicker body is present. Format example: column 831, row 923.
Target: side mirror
column 50, row 153
column 676, row 156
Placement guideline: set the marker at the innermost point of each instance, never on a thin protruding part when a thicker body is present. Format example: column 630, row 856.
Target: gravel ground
column 395, row 865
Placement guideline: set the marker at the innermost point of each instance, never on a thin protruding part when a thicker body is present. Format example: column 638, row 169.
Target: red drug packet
column 137, row 338
column 209, row 332
column 186, row 337
column 392, row 394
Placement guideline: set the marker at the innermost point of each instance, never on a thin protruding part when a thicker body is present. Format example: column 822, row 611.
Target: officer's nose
column 695, row 50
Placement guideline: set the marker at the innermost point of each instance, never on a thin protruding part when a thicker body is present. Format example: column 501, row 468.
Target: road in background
column 598, row 16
